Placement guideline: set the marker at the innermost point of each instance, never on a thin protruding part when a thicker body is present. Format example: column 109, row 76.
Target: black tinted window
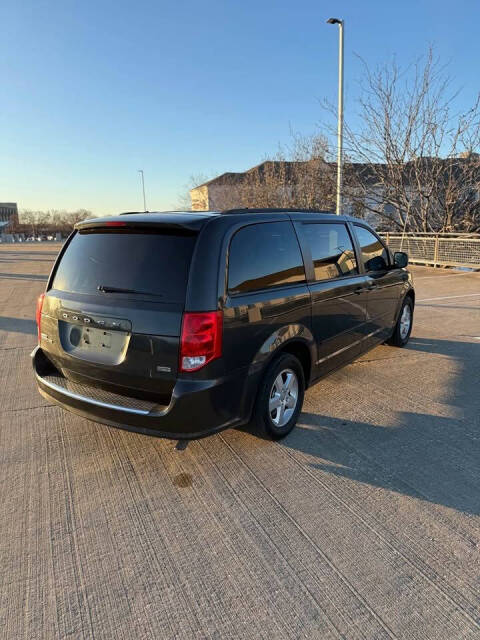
column 332, row 250
column 374, row 254
column 153, row 263
column 264, row 255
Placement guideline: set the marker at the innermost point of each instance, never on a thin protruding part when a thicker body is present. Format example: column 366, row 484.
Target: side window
column 374, row 254
column 264, row 255
column 332, row 250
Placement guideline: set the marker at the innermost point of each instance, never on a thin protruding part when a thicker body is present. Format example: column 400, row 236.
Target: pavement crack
column 40, row 406
column 409, row 355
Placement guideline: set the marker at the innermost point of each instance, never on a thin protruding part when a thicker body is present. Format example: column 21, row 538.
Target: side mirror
column 400, row 259
column 376, row 264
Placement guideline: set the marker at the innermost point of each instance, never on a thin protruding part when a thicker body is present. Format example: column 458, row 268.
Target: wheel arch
column 411, row 294
column 300, row 350
column 295, row 339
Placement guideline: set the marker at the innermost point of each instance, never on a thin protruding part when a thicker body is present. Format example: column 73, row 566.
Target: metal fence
column 438, row 249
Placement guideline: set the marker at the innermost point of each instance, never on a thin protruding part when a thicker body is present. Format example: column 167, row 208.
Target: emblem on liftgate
column 101, row 322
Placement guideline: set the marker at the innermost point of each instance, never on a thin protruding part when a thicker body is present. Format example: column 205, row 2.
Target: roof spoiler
column 139, row 226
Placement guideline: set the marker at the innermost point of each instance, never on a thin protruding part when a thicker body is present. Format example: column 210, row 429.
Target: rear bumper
column 197, row 407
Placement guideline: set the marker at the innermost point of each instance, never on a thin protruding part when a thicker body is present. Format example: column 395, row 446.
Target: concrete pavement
column 363, row 523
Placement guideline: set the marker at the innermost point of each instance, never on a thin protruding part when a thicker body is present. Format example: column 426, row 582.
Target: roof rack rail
column 130, row 213
column 275, row 210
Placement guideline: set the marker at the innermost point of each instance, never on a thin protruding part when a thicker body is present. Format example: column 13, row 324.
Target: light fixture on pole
column 143, row 189
column 341, row 25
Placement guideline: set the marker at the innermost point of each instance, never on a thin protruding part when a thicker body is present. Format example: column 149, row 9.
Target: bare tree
column 184, row 201
column 298, row 175
column 414, row 162
column 50, row 222
column 27, row 219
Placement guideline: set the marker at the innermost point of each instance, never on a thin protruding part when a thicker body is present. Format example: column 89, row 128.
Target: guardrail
column 437, row 249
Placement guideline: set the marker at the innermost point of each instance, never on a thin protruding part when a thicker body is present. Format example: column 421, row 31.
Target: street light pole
column 341, row 25
column 143, row 189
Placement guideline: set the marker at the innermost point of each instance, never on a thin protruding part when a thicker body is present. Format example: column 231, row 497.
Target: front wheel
column 403, row 328
column 280, row 397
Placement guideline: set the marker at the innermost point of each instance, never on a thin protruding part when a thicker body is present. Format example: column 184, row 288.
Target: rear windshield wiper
column 106, row 289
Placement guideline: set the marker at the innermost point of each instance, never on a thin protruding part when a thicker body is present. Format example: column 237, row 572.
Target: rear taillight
column 38, row 315
column 201, row 340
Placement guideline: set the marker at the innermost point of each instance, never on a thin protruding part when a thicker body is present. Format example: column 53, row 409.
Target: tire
column 402, row 331
column 280, row 397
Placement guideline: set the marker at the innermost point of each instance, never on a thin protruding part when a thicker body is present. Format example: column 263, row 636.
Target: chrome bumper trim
column 98, row 403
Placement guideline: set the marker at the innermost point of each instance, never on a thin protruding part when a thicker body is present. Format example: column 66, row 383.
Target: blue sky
column 93, row 91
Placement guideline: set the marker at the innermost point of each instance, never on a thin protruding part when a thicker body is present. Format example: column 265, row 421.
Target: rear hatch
column 112, row 315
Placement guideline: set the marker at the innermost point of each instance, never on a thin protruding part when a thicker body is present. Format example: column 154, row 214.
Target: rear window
column 149, row 264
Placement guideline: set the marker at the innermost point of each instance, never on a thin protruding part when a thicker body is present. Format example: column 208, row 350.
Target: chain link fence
column 437, row 249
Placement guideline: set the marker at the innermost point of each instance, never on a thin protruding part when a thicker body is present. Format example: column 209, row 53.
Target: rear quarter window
column 263, row 256
column 156, row 264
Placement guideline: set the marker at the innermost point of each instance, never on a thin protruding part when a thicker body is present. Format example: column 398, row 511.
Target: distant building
column 8, row 216
column 364, row 188
column 218, row 193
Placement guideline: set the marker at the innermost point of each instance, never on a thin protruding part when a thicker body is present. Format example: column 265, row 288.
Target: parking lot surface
column 363, row 523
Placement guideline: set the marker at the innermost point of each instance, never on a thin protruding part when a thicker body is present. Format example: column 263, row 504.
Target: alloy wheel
column 283, row 397
column 405, row 321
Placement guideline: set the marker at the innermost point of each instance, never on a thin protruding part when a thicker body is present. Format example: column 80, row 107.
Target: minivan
column 182, row 324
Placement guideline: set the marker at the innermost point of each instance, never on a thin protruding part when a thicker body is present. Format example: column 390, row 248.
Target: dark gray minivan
column 182, row 324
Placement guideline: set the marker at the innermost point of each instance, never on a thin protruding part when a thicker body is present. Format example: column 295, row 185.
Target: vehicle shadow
column 27, row 252
column 26, row 258
column 18, row 325
column 430, row 457
column 448, row 306
column 23, row 276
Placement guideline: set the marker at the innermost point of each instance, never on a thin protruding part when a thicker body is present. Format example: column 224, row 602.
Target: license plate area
column 91, row 338
column 93, row 344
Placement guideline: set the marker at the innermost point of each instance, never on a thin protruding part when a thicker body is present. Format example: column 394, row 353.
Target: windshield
column 127, row 264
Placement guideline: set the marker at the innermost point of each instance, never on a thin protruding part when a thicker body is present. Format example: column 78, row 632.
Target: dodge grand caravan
column 182, row 324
